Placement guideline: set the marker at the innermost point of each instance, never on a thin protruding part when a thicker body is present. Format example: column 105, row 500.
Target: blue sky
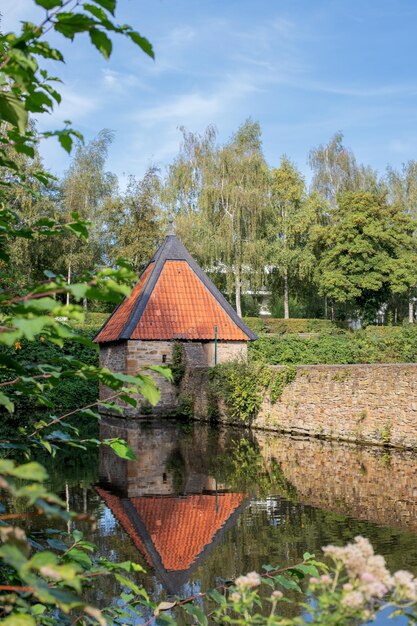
column 303, row 68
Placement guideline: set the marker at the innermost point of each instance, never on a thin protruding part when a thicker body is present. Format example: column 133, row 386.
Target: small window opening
column 164, row 477
column 164, row 358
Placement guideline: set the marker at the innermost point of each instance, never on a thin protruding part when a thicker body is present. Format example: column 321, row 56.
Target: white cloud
column 120, row 82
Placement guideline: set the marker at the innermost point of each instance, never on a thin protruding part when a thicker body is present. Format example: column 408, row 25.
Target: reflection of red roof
column 174, row 299
column 116, row 507
column 179, row 527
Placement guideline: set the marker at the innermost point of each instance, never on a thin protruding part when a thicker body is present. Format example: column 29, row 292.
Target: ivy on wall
column 239, row 388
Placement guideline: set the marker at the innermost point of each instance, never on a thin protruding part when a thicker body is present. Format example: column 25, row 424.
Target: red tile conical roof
column 174, row 299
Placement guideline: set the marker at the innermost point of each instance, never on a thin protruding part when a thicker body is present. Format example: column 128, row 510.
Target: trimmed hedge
column 93, row 322
column 280, row 326
column 256, row 324
column 396, row 345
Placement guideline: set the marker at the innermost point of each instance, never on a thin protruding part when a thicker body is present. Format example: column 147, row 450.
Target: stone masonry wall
column 131, row 356
column 142, row 353
column 112, row 356
column 226, row 351
column 372, row 403
column 363, row 403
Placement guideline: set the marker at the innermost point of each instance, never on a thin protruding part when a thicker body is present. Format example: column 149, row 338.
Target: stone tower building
column 173, row 302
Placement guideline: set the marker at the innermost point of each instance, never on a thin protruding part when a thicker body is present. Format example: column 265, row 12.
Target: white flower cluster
column 369, row 577
column 250, row 581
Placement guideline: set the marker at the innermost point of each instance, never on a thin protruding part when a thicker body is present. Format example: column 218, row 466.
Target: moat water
column 200, row 504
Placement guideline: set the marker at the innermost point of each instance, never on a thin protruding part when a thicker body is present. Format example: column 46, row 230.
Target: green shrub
column 242, row 387
column 314, row 326
column 396, row 345
column 282, row 326
column 256, row 324
column 93, row 322
column 178, row 362
column 280, row 380
column 67, row 394
column 238, row 385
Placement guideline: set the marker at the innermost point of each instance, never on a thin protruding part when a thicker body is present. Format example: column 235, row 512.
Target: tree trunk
column 68, row 281
column 411, row 311
column 325, row 308
column 333, row 311
column 238, row 288
column 286, row 297
column 85, row 304
column 395, row 315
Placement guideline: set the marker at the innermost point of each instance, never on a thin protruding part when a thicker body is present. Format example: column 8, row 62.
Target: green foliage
column 257, row 324
column 366, row 252
column 294, row 325
column 185, row 406
column 280, row 380
column 41, row 356
column 135, row 220
column 386, row 434
column 393, row 345
column 29, row 89
column 238, row 386
column 178, row 362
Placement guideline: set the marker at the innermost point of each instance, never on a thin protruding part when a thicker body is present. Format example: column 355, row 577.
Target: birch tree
column 291, row 218
column 335, row 170
column 84, row 189
column 220, row 194
column 135, row 220
column 402, row 186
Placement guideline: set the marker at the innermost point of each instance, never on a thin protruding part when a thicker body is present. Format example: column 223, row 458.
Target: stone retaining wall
column 363, row 403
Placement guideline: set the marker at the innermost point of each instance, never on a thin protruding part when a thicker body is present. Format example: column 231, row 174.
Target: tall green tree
column 29, row 203
column 224, row 189
column 402, row 186
column 85, row 188
column 135, row 220
column 366, row 253
column 335, row 170
column 292, row 215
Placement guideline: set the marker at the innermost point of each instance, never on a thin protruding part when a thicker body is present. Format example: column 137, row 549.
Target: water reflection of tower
column 166, row 500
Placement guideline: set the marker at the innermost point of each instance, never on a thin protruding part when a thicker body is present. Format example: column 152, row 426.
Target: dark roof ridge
column 140, row 304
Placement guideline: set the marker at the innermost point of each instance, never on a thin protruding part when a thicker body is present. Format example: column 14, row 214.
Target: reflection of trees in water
column 241, row 465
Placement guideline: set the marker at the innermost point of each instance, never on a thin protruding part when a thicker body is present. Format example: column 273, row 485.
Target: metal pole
column 215, row 345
